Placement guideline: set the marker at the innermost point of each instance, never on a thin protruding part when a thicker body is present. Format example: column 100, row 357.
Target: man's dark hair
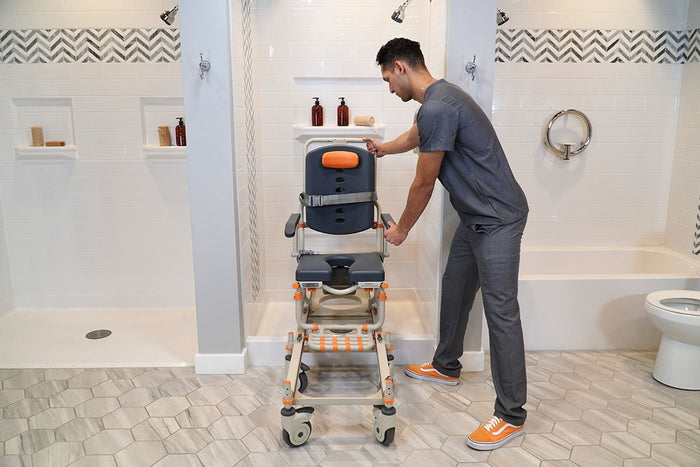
column 402, row 49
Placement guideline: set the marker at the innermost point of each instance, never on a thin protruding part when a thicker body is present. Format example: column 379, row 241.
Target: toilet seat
column 685, row 302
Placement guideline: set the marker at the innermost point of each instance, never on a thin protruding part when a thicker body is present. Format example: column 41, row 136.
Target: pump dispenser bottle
column 180, row 139
column 343, row 113
column 316, row 114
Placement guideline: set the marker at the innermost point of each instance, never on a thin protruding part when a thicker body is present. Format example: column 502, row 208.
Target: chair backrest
column 334, row 170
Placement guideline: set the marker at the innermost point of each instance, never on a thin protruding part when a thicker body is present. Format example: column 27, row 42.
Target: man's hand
column 374, row 147
column 395, row 235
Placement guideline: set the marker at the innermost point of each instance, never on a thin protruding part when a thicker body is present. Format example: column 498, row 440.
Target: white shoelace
column 491, row 424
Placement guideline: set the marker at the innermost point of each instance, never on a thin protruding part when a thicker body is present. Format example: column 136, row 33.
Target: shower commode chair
column 339, row 298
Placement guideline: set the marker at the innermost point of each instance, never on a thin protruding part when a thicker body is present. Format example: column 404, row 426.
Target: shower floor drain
column 98, row 334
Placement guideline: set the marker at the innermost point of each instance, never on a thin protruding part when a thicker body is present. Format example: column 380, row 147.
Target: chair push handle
column 386, row 218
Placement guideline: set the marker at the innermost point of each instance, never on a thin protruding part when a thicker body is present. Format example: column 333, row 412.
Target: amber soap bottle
column 317, row 114
column 343, row 113
column 180, row 139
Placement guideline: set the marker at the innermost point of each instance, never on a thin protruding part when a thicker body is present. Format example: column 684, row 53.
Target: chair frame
column 321, row 331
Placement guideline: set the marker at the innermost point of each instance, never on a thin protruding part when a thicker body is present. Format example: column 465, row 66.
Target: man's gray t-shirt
column 475, row 170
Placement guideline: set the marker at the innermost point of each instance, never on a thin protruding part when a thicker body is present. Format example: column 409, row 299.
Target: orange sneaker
column 426, row 372
column 493, row 434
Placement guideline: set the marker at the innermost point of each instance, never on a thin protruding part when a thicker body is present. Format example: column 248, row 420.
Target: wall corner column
column 209, row 111
column 471, row 31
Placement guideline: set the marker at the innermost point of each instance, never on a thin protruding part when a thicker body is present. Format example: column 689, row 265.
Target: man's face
column 396, row 77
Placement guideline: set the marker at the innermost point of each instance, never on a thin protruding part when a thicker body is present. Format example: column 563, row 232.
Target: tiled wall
column 326, row 49
column 683, row 225
column 7, row 302
column 75, row 14
column 685, row 175
column 596, row 14
column 429, row 229
column 248, row 164
column 615, row 193
column 109, row 229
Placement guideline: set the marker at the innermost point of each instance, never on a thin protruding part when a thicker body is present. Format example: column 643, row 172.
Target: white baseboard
column 221, row 364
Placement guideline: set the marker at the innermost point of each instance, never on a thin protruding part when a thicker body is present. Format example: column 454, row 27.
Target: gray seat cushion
column 363, row 267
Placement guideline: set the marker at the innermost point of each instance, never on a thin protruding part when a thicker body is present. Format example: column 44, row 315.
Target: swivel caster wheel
column 296, row 425
column 386, row 437
column 384, row 424
column 299, row 435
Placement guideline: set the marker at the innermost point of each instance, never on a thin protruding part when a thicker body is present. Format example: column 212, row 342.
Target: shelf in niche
column 164, row 152
column 55, row 117
column 46, row 153
column 304, row 132
column 160, row 111
column 318, row 79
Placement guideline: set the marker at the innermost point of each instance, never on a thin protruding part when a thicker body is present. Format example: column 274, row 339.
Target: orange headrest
column 340, row 160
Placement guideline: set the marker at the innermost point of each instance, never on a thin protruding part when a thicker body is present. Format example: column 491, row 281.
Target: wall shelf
column 304, row 132
column 160, row 111
column 55, row 117
column 318, row 79
column 164, row 152
column 46, row 152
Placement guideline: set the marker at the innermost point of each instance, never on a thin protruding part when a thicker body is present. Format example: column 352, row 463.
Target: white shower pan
column 56, row 338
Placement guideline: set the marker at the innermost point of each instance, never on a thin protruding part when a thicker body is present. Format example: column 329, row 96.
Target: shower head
column 400, row 12
column 169, row 15
column 501, row 17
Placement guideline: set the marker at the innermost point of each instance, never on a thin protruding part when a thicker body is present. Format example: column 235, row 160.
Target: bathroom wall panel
column 596, row 14
column 108, row 229
column 427, row 267
column 249, row 194
column 694, row 14
column 7, row 302
column 684, row 195
column 334, row 44
column 79, row 14
column 632, row 108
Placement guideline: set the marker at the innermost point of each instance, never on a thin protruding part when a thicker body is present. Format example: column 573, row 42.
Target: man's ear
column 399, row 66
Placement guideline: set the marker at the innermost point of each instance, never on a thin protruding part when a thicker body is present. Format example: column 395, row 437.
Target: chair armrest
column 290, row 227
column 386, row 218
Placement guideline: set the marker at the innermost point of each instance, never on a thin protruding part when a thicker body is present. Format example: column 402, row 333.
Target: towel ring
column 567, row 151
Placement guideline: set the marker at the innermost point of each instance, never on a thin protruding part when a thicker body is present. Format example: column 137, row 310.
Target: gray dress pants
column 486, row 256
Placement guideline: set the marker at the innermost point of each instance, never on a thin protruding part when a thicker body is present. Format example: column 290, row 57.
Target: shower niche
column 158, row 112
column 362, row 93
column 55, row 117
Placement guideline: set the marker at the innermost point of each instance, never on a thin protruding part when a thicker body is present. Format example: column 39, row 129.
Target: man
column 458, row 145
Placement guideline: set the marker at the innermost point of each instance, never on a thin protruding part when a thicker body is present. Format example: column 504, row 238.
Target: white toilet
column 676, row 313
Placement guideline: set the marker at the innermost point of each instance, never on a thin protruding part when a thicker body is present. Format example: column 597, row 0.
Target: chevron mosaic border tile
column 512, row 45
column 597, row 46
column 247, row 7
column 89, row 45
column 696, row 239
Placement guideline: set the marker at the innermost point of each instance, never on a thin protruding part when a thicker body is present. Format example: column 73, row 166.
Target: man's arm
column 405, row 142
column 427, row 170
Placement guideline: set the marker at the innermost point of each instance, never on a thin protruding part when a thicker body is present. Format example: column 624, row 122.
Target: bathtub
column 581, row 298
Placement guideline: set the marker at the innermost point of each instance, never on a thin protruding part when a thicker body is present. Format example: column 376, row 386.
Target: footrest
column 340, row 342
